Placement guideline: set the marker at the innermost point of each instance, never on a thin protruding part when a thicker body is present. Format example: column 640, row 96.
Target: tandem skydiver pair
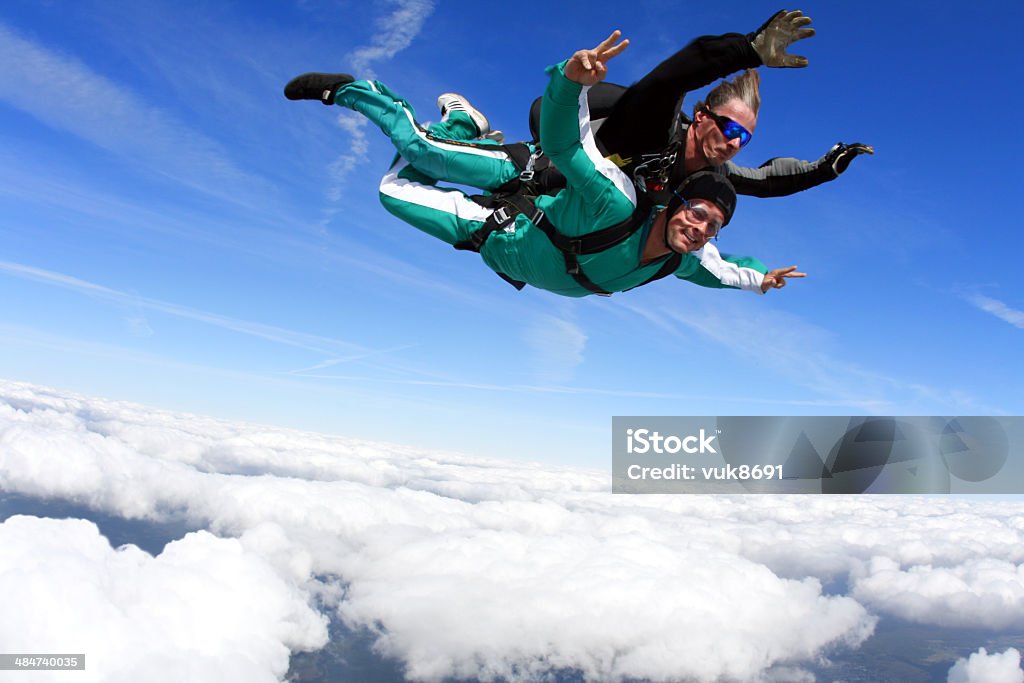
column 579, row 212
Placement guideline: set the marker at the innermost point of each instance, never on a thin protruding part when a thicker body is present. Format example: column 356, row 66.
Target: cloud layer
column 465, row 567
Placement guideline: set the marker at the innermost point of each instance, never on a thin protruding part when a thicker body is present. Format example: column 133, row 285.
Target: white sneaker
column 450, row 101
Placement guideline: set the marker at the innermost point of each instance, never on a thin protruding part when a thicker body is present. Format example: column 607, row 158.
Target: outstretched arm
column 642, row 118
column 565, row 124
column 710, row 268
column 783, row 176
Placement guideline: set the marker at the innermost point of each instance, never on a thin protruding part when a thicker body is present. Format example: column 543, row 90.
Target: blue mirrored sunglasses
column 730, row 129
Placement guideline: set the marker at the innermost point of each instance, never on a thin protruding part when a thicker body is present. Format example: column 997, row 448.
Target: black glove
column 841, row 154
column 779, row 32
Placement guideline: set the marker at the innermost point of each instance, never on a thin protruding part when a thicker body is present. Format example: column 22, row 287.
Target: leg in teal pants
column 409, row 189
column 482, row 163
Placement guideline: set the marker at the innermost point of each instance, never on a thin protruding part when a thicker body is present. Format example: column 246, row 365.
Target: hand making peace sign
column 776, row 279
column 587, row 67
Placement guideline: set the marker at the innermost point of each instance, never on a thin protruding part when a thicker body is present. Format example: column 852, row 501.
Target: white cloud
column 981, row 592
column 392, row 33
column 981, row 667
column 999, row 309
column 205, row 609
column 356, row 125
column 482, row 569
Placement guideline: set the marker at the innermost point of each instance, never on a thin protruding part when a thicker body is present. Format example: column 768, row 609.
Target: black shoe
column 316, row 86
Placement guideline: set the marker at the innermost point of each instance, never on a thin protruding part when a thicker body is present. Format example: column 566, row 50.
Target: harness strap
column 571, row 248
column 500, row 219
column 572, row 267
column 596, row 242
column 518, row 284
column 529, row 164
column 599, row 240
column 527, row 173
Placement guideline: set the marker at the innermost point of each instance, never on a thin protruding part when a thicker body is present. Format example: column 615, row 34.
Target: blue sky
column 175, row 232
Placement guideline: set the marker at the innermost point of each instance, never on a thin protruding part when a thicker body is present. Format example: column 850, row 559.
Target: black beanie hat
column 708, row 185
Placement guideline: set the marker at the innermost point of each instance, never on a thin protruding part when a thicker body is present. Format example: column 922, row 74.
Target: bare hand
column 776, row 279
column 587, row 67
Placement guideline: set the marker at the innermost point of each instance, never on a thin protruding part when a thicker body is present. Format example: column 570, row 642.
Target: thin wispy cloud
column 999, row 309
column 332, row 362
column 302, row 340
column 32, row 181
column 569, row 390
column 130, row 359
column 356, row 126
column 138, row 326
column 800, row 352
column 385, row 360
column 557, row 346
column 68, row 95
column 392, row 33
column 268, row 236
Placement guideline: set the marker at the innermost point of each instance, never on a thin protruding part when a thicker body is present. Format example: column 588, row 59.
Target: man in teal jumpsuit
column 666, row 240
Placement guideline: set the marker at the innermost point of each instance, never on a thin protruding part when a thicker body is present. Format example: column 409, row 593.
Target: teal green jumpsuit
column 598, row 195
